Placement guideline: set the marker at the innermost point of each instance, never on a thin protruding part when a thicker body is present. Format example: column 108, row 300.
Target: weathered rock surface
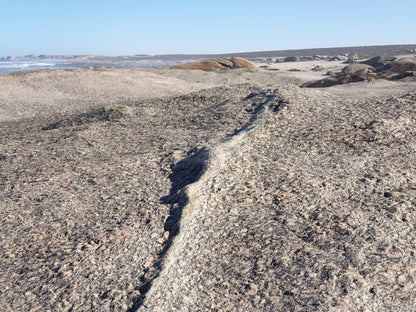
column 309, row 209
column 379, row 61
column 239, row 62
column 400, row 66
column 388, row 65
column 84, row 214
column 244, row 197
column 336, row 79
column 67, row 92
column 223, row 63
column 202, row 65
column 357, row 68
column 389, row 68
column 340, row 58
column 226, row 63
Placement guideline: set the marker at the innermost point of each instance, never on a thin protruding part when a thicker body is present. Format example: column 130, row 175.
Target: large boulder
column 207, row 65
column 222, row 63
column 379, row 61
column 393, row 69
column 400, row 66
column 291, row 59
column 339, row 58
column 239, row 62
column 357, row 68
column 317, row 68
column 337, row 79
column 390, row 67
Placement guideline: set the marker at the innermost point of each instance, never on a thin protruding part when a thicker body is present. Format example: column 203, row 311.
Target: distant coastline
column 33, row 62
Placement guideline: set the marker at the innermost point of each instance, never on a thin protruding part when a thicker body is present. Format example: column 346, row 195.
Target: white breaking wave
column 16, row 66
column 26, row 64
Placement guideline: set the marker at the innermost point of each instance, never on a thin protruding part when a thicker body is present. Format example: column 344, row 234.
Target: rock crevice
column 189, row 179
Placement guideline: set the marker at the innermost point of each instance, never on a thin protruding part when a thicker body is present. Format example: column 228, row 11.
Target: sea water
column 14, row 66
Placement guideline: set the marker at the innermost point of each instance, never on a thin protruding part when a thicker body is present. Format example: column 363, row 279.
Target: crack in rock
column 188, row 177
column 267, row 104
column 185, row 172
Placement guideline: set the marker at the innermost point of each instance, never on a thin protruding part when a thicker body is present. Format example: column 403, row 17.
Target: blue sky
column 126, row 27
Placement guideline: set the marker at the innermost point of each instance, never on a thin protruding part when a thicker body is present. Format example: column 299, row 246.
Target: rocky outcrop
column 400, row 66
column 379, row 61
column 405, row 76
column 248, row 197
column 383, row 67
column 317, row 68
column 239, row 62
column 202, row 65
column 396, row 69
column 226, row 63
column 100, row 194
column 337, row 79
column 222, row 63
column 308, row 209
column 340, row 58
column 291, row 59
column 355, row 68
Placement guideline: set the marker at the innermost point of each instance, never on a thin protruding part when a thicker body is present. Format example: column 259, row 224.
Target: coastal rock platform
column 176, row 190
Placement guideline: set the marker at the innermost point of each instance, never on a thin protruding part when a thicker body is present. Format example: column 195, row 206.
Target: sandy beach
column 185, row 190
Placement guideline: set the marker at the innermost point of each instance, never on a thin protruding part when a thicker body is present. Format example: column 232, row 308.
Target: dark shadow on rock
column 185, row 172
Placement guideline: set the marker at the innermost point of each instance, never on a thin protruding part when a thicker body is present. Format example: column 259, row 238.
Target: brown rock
column 239, row 62
column 223, row 63
column 202, row 65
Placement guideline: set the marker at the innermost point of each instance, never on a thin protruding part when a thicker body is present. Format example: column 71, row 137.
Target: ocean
column 151, row 62
column 13, row 66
